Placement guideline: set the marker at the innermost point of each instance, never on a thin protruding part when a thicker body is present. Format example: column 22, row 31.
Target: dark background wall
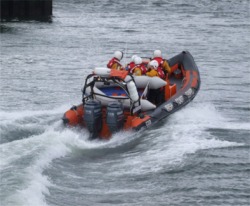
column 26, row 9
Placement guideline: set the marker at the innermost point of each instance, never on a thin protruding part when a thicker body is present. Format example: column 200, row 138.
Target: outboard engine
column 115, row 116
column 93, row 117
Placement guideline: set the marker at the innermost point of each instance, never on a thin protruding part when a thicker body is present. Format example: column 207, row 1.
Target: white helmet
column 138, row 60
column 133, row 58
column 157, row 53
column 118, row 55
column 154, row 64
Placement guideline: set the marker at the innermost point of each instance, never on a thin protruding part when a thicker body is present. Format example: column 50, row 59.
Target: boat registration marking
column 148, row 123
column 179, row 100
column 169, row 107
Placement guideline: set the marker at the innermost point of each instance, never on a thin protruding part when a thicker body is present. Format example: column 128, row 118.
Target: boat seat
column 117, row 91
column 170, row 90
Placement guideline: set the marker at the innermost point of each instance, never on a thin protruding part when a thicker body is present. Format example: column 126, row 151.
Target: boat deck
column 176, row 81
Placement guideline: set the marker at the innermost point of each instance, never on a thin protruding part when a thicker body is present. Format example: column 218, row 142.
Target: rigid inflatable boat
column 113, row 100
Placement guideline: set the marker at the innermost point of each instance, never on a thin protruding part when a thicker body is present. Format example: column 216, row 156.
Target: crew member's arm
column 137, row 72
column 152, row 73
column 166, row 67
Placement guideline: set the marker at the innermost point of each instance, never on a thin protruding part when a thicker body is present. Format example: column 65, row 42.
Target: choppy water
column 199, row 156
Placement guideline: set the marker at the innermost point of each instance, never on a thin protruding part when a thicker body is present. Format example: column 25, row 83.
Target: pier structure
column 40, row 10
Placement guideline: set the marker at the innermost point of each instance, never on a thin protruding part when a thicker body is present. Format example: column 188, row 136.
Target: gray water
column 198, row 156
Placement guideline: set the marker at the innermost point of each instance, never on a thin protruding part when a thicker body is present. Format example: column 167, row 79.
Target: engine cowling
column 115, row 116
column 93, row 117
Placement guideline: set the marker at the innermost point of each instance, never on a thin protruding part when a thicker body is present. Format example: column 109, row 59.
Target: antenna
column 126, row 47
column 125, row 54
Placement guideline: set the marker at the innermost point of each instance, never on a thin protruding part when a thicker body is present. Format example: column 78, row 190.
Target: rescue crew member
column 155, row 70
column 131, row 64
column 114, row 63
column 152, row 69
column 163, row 63
column 139, row 68
column 156, row 96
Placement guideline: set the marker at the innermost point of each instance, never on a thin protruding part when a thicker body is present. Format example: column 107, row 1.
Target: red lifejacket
column 130, row 66
column 141, row 67
column 159, row 60
column 112, row 61
column 144, row 69
column 160, row 71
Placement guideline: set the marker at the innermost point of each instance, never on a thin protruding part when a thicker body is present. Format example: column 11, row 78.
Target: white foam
column 169, row 150
column 164, row 147
column 38, row 184
column 184, row 133
column 43, row 149
column 207, row 116
column 17, row 115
